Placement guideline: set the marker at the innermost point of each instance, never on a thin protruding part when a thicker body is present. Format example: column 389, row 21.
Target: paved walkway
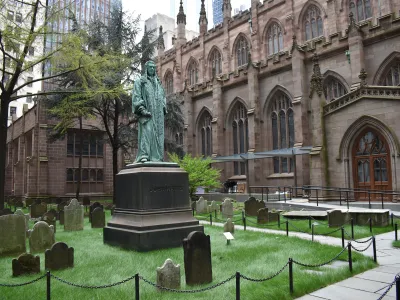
column 369, row 285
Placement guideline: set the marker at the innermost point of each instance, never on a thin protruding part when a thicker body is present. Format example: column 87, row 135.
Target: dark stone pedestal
column 152, row 208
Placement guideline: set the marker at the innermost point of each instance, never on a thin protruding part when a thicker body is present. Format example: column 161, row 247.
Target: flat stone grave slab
column 303, row 214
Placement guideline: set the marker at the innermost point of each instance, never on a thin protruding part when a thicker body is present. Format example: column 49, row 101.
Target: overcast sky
column 147, row 8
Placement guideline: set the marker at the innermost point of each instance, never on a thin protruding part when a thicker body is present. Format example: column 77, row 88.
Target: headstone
column 273, row 217
column 26, row 216
column 212, row 207
column 169, row 275
column 26, row 264
column 59, row 257
column 252, row 205
column 5, row 211
column 41, row 237
column 227, row 209
column 92, row 208
column 337, row 218
column 229, row 226
column 201, row 206
column 98, row 218
column 61, row 216
column 38, row 210
column 73, row 216
column 262, row 216
column 12, row 234
column 197, row 257
column 86, row 200
column 50, row 219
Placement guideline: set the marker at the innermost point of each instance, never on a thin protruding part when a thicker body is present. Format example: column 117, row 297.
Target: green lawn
column 255, row 255
column 396, row 244
column 320, row 227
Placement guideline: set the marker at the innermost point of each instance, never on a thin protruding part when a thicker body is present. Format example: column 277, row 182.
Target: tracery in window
column 240, row 135
column 205, row 133
column 242, row 51
column 216, row 63
column 275, row 39
column 313, row 24
column 333, row 88
column 169, row 83
column 392, row 77
column 361, row 9
column 193, row 72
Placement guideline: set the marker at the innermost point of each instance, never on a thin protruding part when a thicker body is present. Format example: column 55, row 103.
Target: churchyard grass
column 256, row 255
column 396, row 244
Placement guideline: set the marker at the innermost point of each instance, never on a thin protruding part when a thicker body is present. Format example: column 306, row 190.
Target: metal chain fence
column 22, row 284
column 92, row 286
column 322, row 264
column 267, row 278
column 396, row 279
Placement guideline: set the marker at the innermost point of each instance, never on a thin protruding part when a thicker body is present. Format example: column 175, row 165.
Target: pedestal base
column 152, row 208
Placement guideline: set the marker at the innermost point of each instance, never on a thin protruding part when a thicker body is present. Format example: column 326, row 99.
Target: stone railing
column 366, row 92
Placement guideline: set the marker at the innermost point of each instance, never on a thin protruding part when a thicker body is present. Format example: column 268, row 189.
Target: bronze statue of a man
column 149, row 105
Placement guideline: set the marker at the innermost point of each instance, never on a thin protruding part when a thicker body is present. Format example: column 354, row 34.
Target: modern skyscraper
column 217, row 12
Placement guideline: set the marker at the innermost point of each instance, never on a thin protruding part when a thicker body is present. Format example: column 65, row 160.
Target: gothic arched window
column 242, row 51
column 361, row 9
column 275, row 39
column 169, row 83
column 205, row 133
column 282, row 121
column 333, row 88
column 313, row 23
column 392, row 77
column 240, row 135
column 216, row 63
column 193, row 73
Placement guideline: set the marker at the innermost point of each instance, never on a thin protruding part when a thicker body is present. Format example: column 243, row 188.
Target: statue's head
column 150, row 68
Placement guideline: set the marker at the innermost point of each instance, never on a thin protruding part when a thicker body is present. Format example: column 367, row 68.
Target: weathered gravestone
column 201, row 206
column 197, row 257
column 337, row 218
column 227, row 209
column 98, row 218
column 274, row 217
column 169, row 275
column 26, row 217
column 59, row 257
column 229, row 226
column 41, row 237
column 262, row 216
column 92, row 208
column 38, row 210
column 212, row 207
column 49, row 219
column 5, row 211
column 252, row 205
column 25, row 264
column 61, row 217
column 53, row 212
column 12, row 234
column 73, row 216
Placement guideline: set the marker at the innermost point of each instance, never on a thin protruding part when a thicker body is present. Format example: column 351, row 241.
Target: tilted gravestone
column 73, row 216
column 41, row 237
column 5, row 211
column 38, row 210
column 337, row 218
column 50, row 219
column 262, row 216
column 98, row 218
column 26, row 264
column 12, row 234
column 197, row 257
column 229, row 226
column 169, row 275
column 92, row 208
column 26, row 216
column 273, row 217
column 252, row 205
column 59, row 257
column 201, row 206
column 61, row 216
column 227, row 209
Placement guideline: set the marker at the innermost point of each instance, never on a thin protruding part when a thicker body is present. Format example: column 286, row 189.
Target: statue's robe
column 149, row 93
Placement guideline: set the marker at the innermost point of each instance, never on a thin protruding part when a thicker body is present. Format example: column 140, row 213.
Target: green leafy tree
column 17, row 38
column 199, row 170
column 174, row 122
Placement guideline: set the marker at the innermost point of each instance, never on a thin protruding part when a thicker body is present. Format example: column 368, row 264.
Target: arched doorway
column 371, row 163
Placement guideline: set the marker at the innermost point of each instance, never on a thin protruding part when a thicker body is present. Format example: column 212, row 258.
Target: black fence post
column 137, row 287
column 244, row 223
column 340, row 197
column 352, row 229
column 243, row 214
column 215, row 213
column 211, row 219
column 382, row 199
column 316, row 190
column 312, row 232
column 369, row 200
column 193, row 210
column 374, row 247
column 342, row 230
column 395, row 232
column 279, row 220
column 48, row 277
column 392, row 217
column 262, row 193
column 309, row 222
column 291, row 275
column 284, row 193
column 237, row 286
column 279, row 193
column 370, row 224
column 287, row 229
column 350, row 260
column 267, row 193
column 397, row 287
column 347, row 199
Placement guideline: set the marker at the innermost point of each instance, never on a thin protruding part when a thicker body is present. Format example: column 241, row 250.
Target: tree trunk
column 3, row 146
column 78, row 186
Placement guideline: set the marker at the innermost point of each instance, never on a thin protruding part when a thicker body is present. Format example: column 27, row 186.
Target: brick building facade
column 293, row 73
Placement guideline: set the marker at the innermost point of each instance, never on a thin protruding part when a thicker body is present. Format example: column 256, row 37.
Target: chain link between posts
column 322, row 264
column 92, row 286
column 397, row 277
column 22, row 284
column 267, row 278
